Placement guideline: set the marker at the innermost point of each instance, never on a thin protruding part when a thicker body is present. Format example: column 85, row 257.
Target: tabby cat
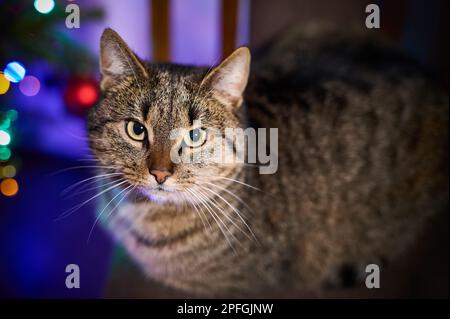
column 362, row 161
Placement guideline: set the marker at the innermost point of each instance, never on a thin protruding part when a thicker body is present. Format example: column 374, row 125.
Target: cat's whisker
column 234, row 209
column 212, row 214
column 75, row 208
column 231, row 219
column 120, row 201
column 103, row 210
column 83, row 167
column 82, row 138
column 204, row 214
column 81, row 191
column 233, row 180
column 195, row 207
column 101, row 176
column 231, row 193
column 88, row 160
column 204, row 200
column 239, row 182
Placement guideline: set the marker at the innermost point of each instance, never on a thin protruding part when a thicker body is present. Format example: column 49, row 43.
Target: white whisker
column 234, row 209
column 81, row 191
column 103, row 210
column 218, row 220
column 73, row 209
column 80, row 167
column 197, row 209
column 101, row 176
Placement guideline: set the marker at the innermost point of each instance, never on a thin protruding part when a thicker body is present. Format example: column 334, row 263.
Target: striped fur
column 363, row 144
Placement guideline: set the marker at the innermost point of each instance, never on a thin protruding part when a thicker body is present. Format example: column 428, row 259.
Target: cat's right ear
column 117, row 60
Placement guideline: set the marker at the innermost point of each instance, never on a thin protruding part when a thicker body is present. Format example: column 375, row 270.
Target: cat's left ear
column 117, row 60
column 229, row 79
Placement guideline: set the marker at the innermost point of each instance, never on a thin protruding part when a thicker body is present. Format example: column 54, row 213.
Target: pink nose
column 160, row 176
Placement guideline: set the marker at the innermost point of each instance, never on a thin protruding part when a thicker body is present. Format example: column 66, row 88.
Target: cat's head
column 150, row 113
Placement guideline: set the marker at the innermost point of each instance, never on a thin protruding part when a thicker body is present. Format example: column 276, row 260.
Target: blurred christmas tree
column 43, row 65
column 36, row 33
column 30, row 35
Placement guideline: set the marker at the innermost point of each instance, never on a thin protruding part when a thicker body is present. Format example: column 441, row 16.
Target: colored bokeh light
column 5, row 138
column 9, row 171
column 87, row 94
column 4, row 84
column 44, row 6
column 12, row 115
column 9, row 187
column 14, row 72
column 5, row 123
column 30, row 86
column 5, row 153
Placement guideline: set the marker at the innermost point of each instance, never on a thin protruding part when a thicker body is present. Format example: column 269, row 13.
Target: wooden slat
column 229, row 26
column 160, row 22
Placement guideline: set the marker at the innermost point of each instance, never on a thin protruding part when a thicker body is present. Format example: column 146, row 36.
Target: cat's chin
column 159, row 195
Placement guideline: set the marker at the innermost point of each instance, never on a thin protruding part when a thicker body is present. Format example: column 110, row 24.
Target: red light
column 87, row 95
column 81, row 94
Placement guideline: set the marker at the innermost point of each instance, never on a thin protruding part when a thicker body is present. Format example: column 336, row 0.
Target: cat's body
column 362, row 151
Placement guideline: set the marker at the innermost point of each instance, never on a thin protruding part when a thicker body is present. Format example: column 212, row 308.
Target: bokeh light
column 12, row 115
column 5, row 153
column 44, row 6
column 87, row 94
column 5, row 138
column 9, row 171
column 14, row 72
column 5, row 123
column 4, row 84
column 30, row 85
column 9, row 187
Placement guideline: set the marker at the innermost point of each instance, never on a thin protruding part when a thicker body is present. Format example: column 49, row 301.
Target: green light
column 44, row 6
column 5, row 138
column 5, row 123
column 12, row 115
column 5, row 154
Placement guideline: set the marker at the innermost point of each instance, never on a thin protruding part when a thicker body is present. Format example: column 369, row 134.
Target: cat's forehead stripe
column 169, row 93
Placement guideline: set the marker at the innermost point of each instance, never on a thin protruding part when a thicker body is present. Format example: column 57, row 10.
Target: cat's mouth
column 158, row 192
column 161, row 188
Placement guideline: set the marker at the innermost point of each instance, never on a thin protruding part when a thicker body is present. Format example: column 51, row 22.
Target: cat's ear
column 117, row 60
column 229, row 79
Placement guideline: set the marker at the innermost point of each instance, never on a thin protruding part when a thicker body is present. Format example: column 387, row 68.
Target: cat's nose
column 160, row 175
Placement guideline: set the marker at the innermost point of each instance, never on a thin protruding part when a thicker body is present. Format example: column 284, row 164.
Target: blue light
column 14, row 72
column 44, row 6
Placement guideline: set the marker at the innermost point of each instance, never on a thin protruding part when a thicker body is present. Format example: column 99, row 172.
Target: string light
column 5, row 138
column 9, row 187
column 14, row 72
column 9, row 171
column 12, row 115
column 30, row 86
column 5, row 123
column 87, row 94
column 4, row 84
column 44, row 6
column 5, row 153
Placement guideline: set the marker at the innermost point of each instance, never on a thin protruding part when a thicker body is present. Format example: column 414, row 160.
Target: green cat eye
column 135, row 130
column 195, row 137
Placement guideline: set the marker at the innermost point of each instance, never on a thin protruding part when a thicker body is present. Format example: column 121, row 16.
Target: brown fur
column 363, row 143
